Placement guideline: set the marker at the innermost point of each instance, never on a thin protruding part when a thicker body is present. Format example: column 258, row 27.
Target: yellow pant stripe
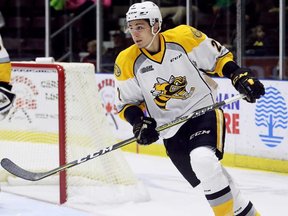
column 220, row 122
column 226, row 209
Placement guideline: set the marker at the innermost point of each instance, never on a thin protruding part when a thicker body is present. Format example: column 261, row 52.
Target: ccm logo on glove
column 246, row 83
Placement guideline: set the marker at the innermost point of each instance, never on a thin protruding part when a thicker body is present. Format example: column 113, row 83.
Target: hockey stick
column 32, row 176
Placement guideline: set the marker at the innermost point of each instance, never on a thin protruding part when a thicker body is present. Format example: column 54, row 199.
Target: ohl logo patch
column 165, row 90
column 271, row 113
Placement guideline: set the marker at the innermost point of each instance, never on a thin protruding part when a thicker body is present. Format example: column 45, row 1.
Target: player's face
column 140, row 31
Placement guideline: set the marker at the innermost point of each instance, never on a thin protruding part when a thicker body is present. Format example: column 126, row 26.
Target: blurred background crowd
column 73, row 29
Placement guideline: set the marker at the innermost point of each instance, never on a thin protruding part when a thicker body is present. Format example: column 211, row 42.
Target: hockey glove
column 6, row 99
column 144, row 129
column 246, row 83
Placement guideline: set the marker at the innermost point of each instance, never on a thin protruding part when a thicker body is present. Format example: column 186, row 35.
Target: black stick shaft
column 11, row 167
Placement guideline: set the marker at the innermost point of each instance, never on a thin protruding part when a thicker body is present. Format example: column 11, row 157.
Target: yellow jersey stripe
column 158, row 57
column 220, row 64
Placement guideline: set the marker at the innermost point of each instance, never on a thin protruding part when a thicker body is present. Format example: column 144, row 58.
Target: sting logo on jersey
column 196, row 33
column 117, row 70
column 175, row 88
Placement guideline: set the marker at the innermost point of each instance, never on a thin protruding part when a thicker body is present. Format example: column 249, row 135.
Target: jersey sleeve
column 5, row 65
column 128, row 92
column 208, row 54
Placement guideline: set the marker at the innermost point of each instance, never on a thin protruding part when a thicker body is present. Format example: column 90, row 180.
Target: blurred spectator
column 215, row 6
column 263, row 5
column 251, row 20
column 254, row 8
column 108, row 59
column 74, row 4
column 173, row 12
column 57, row 4
column 232, row 44
column 257, row 42
column 119, row 39
column 276, row 6
column 88, row 21
column 91, row 49
column 224, row 5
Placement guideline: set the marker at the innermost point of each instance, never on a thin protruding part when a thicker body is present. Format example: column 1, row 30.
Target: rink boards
column 256, row 135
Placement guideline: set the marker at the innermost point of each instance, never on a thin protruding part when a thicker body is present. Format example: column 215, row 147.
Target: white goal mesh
column 59, row 103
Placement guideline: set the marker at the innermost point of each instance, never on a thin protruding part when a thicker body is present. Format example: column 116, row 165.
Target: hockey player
column 6, row 96
column 166, row 74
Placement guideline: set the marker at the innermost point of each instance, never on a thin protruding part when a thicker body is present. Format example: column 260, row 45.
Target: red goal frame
column 62, row 119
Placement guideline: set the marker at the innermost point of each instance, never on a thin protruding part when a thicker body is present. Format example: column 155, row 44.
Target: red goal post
column 61, row 110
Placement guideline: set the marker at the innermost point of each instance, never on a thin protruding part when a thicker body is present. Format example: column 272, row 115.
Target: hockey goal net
column 58, row 118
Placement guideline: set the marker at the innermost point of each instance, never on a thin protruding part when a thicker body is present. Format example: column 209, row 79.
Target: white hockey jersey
column 169, row 83
column 5, row 65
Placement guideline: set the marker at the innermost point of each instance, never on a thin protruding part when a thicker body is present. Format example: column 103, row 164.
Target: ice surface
column 170, row 194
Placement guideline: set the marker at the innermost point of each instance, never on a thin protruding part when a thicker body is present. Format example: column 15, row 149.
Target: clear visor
column 126, row 26
column 140, row 28
column 134, row 29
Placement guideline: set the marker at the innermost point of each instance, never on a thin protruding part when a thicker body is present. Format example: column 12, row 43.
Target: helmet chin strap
column 154, row 35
